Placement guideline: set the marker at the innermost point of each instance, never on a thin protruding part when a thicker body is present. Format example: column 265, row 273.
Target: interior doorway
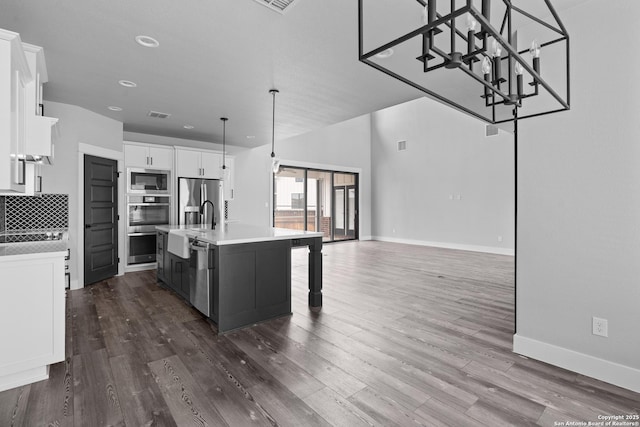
column 316, row 200
column 100, row 218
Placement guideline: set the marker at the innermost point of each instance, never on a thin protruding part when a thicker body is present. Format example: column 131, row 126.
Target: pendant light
column 275, row 164
column 225, row 171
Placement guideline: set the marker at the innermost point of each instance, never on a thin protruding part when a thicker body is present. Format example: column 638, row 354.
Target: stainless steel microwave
column 148, row 181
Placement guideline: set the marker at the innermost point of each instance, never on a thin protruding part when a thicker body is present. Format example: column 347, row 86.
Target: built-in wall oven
column 145, row 213
column 148, row 181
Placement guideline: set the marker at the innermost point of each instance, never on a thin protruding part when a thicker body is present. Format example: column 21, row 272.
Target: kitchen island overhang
column 248, row 270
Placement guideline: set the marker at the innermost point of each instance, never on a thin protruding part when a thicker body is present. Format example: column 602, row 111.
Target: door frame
column 78, row 282
column 347, row 210
column 333, row 169
column 307, row 165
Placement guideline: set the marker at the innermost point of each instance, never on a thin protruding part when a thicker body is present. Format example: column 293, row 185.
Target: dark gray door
column 100, row 219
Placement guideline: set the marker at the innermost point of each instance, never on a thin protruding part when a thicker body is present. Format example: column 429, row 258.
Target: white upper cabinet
column 25, row 134
column 198, row 164
column 211, row 165
column 148, row 156
column 14, row 77
column 38, row 142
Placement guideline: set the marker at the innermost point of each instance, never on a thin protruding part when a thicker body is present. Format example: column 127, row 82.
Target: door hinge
column 117, row 217
column 118, row 262
column 118, row 174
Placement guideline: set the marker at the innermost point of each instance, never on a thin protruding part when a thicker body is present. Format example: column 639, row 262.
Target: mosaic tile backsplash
column 22, row 213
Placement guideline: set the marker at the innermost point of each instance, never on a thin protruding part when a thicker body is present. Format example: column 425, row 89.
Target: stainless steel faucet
column 213, row 213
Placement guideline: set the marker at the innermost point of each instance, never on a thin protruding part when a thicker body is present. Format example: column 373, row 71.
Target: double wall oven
column 148, row 205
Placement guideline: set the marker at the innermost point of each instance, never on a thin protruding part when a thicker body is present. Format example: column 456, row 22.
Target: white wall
column 452, row 187
column 345, row 146
column 76, row 126
column 579, row 206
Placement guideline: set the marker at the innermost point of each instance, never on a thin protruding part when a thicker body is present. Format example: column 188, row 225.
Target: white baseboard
column 365, row 238
column 600, row 369
column 462, row 247
column 18, row 379
column 140, row 267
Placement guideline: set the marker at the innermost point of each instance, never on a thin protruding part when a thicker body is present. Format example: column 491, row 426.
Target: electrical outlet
column 500, row 239
column 600, row 327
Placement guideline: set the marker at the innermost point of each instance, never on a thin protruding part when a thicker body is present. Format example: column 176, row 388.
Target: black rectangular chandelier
column 496, row 62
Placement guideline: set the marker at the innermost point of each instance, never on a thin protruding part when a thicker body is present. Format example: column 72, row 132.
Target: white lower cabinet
column 32, row 317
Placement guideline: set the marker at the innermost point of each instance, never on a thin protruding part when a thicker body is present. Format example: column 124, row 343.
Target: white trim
column 604, row 370
column 106, row 153
column 94, row 150
column 140, row 267
column 324, row 167
column 18, row 379
column 458, row 246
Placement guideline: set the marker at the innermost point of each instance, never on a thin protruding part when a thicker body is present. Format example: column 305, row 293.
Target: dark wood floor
column 408, row 336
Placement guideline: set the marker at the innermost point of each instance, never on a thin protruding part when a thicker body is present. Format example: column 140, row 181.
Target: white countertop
column 58, row 247
column 236, row 233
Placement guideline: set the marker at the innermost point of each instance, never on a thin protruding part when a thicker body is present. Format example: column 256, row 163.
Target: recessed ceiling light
column 127, row 83
column 384, row 54
column 187, row 127
column 114, row 108
column 147, row 41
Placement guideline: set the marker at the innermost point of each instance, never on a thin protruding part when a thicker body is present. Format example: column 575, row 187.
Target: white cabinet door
column 211, row 165
column 227, row 176
column 160, row 158
column 136, row 156
column 33, row 304
column 188, row 164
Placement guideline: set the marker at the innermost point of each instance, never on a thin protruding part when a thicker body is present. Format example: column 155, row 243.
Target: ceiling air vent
column 280, row 6
column 158, row 114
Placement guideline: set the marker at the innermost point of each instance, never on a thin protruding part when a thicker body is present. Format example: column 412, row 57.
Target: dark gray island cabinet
column 237, row 275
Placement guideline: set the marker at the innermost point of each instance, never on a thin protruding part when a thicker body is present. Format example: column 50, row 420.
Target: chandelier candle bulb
column 497, row 63
column 486, row 70
column 534, row 50
column 471, row 32
column 519, row 80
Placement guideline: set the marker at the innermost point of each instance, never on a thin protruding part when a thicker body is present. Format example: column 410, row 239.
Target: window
column 297, row 200
column 316, row 200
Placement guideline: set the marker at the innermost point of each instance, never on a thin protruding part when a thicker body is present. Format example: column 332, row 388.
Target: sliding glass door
column 346, row 206
column 316, row 200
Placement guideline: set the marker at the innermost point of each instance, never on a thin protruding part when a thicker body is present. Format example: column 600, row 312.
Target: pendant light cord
column 224, row 141
column 273, row 122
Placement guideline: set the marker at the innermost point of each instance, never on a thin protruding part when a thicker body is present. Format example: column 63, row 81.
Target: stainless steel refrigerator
column 192, row 193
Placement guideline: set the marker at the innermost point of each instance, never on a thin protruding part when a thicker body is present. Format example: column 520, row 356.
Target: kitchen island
column 238, row 274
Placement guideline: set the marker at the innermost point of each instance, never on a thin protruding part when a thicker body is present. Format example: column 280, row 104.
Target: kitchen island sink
column 238, row 274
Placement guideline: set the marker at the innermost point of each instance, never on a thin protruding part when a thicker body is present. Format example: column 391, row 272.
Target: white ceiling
column 216, row 58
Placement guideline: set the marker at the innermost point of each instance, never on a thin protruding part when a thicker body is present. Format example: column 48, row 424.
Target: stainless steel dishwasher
column 200, row 266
